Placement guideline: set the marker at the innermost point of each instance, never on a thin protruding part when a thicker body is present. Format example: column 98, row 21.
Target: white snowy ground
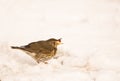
column 91, row 35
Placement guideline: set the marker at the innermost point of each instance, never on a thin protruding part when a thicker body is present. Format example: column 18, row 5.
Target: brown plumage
column 41, row 51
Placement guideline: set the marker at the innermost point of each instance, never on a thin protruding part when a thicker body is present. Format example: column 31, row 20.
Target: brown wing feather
column 41, row 46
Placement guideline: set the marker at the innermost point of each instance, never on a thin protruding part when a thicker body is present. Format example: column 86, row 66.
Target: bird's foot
column 45, row 62
column 42, row 62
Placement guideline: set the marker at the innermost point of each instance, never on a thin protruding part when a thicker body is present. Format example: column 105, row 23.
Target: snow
column 90, row 32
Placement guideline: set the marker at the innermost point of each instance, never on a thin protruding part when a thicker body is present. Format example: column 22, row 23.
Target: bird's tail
column 15, row 47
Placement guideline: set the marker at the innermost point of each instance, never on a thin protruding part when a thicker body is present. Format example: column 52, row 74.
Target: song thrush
column 41, row 51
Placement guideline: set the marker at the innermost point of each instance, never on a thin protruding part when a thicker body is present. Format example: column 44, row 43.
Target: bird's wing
column 39, row 47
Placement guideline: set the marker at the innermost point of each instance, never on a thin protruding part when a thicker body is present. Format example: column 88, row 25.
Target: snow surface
column 90, row 31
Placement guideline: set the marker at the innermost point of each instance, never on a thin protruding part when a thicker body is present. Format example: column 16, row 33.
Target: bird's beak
column 59, row 41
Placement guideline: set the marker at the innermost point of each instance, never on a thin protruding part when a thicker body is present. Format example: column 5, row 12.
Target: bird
column 41, row 51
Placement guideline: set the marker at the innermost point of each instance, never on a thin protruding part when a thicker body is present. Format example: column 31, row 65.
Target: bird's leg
column 38, row 62
column 45, row 62
column 56, row 57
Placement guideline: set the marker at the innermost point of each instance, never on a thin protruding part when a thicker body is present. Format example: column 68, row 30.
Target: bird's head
column 54, row 42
